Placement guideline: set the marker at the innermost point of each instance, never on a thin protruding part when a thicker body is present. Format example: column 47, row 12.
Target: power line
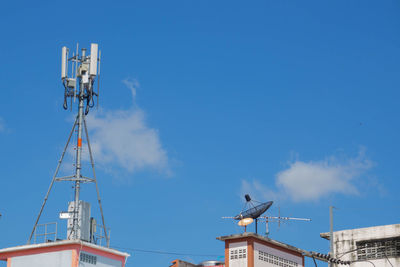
column 167, row 252
column 314, row 261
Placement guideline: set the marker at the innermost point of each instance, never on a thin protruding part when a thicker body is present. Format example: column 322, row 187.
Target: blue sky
column 202, row 102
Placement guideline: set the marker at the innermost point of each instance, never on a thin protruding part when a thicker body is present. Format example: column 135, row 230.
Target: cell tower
column 78, row 75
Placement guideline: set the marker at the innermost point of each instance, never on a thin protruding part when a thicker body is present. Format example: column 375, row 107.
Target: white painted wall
column 377, row 263
column 238, row 249
column 275, row 252
column 345, row 241
column 50, row 259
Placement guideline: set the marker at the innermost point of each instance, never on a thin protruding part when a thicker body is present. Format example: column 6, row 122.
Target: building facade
column 67, row 253
column 377, row 246
column 252, row 250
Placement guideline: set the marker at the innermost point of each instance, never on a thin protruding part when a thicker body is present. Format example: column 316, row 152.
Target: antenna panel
column 93, row 59
column 64, row 59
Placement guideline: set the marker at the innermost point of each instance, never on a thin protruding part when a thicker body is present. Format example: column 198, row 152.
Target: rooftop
column 381, row 228
column 263, row 239
column 59, row 244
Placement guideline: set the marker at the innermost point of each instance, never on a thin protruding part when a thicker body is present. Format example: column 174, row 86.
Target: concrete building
column 252, row 250
column 377, row 246
column 67, row 253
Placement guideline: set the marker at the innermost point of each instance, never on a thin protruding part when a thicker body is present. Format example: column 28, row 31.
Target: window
column 275, row 260
column 88, row 258
column 237, row 254
column 378, row 248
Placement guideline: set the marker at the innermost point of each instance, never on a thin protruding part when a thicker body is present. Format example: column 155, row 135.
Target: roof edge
column 261, row 238
column 61, row 243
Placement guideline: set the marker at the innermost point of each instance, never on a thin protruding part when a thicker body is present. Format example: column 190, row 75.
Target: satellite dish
column 247, row 216
column 255, row 211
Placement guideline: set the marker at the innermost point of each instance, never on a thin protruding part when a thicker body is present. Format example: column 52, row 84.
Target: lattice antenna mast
column 79, row 84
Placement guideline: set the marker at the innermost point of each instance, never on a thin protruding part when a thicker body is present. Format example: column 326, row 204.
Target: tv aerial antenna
column 78, row 75
column 279, row 219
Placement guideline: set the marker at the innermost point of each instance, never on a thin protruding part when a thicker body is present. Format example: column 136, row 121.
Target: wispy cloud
column 312, row 180
column 131, row 84
column 122, row 138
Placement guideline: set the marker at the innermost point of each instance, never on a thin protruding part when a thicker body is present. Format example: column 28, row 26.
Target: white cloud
column 122, row 138
column 308, row 181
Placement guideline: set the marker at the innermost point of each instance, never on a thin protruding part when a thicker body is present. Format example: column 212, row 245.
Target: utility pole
column 331, row 234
